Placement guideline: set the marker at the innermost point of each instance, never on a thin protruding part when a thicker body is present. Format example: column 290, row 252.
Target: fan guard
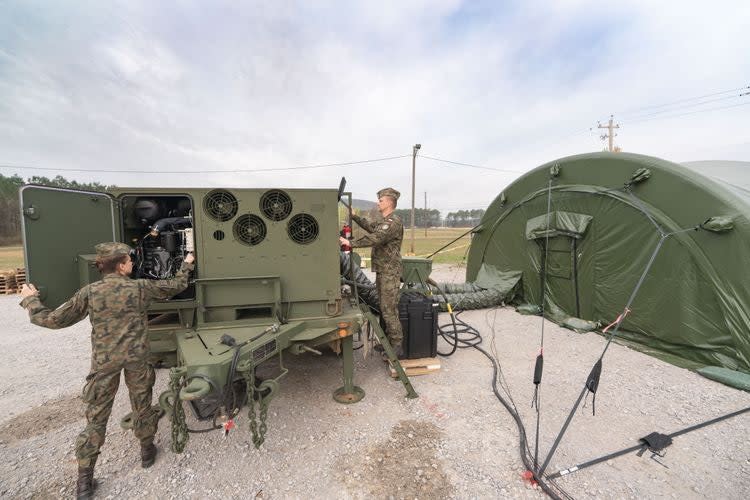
column 303, row 229
column 249, row 229
column 276, row 205
column 220, row 205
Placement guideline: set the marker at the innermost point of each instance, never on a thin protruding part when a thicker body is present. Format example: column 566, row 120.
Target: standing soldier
column 116, row 307
column 385, row 237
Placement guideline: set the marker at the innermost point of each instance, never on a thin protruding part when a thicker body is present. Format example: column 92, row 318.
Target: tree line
column 464, row 218
column 10, row 210
column 432, row 217
column 422, row 218
column 10, row 214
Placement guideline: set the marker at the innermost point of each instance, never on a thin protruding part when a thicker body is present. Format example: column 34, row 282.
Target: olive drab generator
column 267, row 283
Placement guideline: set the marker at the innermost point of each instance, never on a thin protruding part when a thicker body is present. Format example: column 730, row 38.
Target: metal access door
column 58, row 225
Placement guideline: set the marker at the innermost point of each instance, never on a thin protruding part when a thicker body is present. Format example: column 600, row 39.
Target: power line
column 690, row 113
column 470, row 165
column 691, row 105
column 207, row 171
column 636, row 110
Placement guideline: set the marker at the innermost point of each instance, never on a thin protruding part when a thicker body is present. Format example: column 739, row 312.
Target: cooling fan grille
column 249, row 229
column 276, row 205
column 303, row 229
column 220, row 205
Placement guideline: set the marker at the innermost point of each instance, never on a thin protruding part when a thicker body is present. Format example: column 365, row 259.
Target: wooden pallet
column 421, row 366
column 20, row 277
column 7, row 284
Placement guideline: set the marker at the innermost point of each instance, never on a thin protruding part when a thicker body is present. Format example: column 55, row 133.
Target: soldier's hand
column 343, row 241
column 190, row 258
column 29, row 290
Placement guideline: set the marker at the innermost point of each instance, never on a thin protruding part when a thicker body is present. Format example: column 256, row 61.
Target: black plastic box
column 419, row 321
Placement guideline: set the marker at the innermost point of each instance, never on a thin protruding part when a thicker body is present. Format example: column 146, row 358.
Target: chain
column 250, row 384
column 258, row 430
column 264, row 402
column 179, row 427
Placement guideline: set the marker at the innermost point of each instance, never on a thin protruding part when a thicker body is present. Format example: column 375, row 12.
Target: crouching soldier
column 116, row 307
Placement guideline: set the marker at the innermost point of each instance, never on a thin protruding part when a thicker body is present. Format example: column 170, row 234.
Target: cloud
column 144, row 86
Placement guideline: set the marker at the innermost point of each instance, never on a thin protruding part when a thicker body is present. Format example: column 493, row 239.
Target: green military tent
column 607, row 214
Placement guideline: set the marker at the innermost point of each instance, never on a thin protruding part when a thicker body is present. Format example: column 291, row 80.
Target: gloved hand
column 29, row 290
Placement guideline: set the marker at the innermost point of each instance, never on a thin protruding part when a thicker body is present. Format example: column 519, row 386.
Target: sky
column 212, row 93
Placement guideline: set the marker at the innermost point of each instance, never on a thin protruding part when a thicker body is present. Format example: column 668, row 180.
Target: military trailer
column 266, row 283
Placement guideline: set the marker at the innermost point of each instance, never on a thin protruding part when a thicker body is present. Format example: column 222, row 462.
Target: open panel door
column 58, row 225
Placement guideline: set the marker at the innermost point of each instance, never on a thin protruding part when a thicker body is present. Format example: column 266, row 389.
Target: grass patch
column 11, row 257
column 435, row 239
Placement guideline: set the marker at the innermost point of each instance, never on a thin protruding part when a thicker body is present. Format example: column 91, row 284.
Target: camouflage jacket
column 116, row 306
column 385, row 239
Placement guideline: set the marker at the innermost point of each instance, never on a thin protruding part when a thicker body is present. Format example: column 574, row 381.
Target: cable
column 373, row 160
column 471, row 166
column 525, row 458
column 690, row 113
column 690, row 105
column 472, row 338
column 452, row 242
column 464, row 336
column 636, row 110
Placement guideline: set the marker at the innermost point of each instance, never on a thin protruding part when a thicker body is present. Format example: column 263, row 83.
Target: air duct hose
column 365, row 288
column 479, row 299
column 466, row 296
column 463, row 296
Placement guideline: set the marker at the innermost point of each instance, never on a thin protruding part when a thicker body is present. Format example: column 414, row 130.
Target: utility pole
column 611, row 134
column 413, row 178
column 425, row 214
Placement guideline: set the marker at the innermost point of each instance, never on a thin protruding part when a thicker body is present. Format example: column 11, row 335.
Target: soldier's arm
column 383, row 233
column 163, row 289
column 364, row 223
column 67, row 314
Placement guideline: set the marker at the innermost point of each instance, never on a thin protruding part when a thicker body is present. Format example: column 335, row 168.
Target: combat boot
column 85, row 483
column 397, row 350
column 148, row 455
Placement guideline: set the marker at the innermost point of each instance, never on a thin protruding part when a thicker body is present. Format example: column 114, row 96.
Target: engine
column 162, row 234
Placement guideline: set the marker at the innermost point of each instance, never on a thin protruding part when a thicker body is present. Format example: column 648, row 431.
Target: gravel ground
column 456, row 440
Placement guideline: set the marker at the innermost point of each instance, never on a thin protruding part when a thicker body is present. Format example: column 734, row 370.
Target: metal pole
column 425, row 214
column 413, row 179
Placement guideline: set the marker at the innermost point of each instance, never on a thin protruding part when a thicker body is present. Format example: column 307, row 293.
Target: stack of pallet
column 7, row 282
column 20, row 277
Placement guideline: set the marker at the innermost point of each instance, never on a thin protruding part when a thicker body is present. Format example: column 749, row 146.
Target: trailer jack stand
column 349, row 393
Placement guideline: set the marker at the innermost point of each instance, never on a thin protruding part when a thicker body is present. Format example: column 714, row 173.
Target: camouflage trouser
column 99, row 394
column 388, row 285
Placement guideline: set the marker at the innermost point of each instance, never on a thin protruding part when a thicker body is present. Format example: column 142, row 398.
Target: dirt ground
column 454, row 441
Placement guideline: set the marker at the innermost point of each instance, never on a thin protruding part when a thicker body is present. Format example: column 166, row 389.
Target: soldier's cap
column 389, row 192
column 111, row 249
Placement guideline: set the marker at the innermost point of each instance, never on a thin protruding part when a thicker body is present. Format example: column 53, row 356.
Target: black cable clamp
column 592, row 383
column 655, row 442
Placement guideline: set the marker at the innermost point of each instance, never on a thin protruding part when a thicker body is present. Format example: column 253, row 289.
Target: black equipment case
column 419, row 321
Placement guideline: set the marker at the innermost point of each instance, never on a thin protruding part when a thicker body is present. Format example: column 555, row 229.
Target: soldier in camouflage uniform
column 116, row 307
column 385, row 237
